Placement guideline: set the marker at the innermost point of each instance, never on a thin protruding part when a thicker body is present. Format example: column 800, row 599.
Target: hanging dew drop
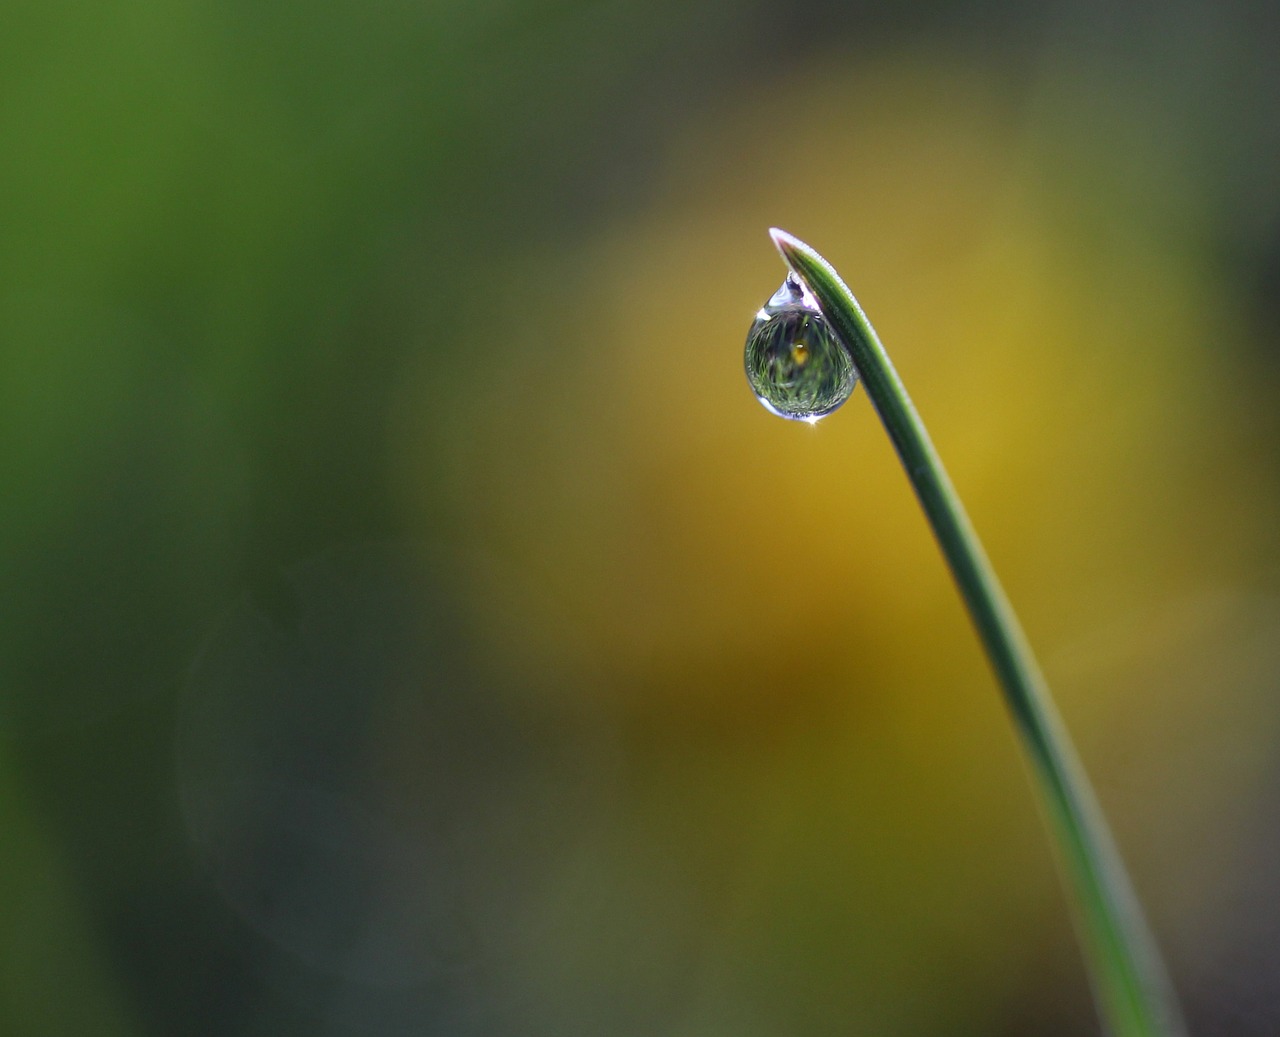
column 796, row 366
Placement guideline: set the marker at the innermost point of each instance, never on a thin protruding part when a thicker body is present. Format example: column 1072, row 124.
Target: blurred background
column 411, row 624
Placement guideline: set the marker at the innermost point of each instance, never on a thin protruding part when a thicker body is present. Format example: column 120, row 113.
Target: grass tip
column 783, row 241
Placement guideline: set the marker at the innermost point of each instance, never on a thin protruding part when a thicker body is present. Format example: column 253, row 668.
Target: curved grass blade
column 1130, row 985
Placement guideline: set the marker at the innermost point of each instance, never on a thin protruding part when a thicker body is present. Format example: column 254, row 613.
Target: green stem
column 1129, row 981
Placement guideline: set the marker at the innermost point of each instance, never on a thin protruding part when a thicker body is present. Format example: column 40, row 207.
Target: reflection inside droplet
column 796, row 365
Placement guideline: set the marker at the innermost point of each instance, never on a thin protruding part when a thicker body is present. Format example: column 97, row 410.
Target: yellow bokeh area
column 761, row 601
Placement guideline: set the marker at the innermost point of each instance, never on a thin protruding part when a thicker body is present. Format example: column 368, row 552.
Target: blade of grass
column 1130, row 985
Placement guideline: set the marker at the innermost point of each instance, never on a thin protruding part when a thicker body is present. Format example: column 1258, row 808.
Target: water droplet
column 796, row 365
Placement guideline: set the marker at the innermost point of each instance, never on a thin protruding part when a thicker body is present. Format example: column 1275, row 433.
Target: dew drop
column 796, row 365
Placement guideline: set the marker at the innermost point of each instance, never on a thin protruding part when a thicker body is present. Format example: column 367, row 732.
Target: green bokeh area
column 410, row 624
